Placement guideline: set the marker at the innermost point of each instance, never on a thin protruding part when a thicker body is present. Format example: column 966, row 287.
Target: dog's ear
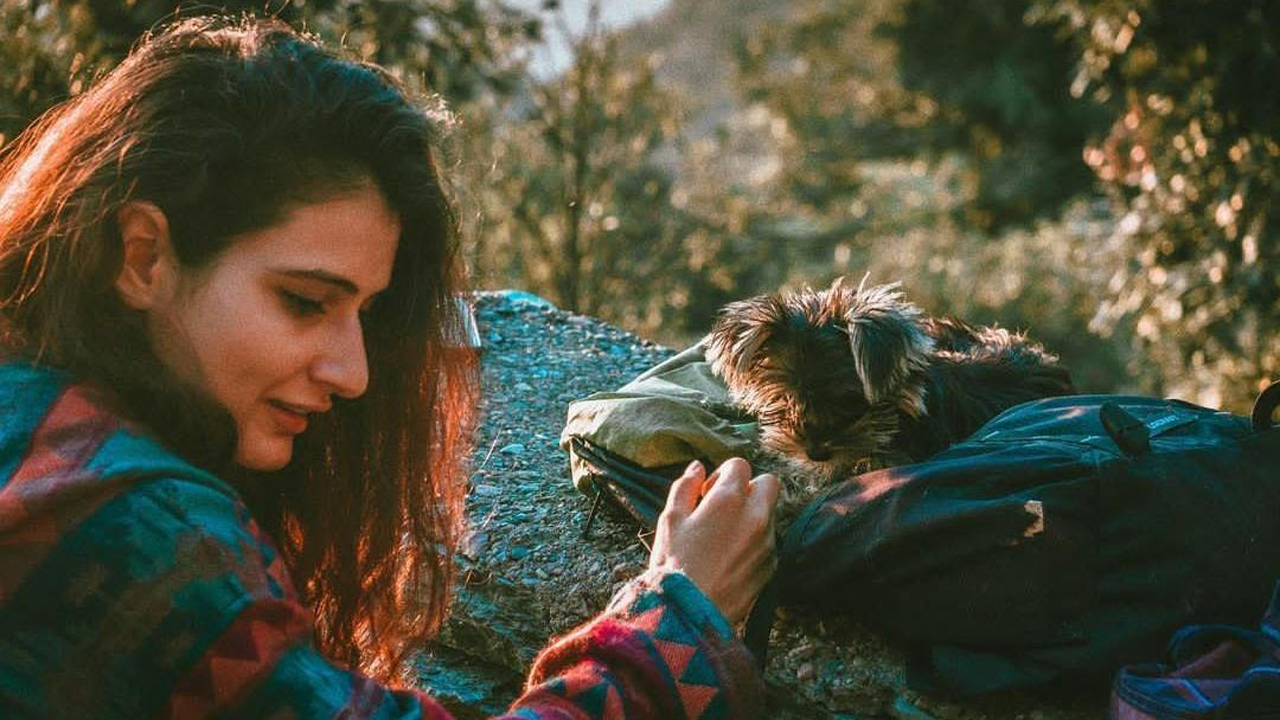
column 887, row 337
column 739, row 332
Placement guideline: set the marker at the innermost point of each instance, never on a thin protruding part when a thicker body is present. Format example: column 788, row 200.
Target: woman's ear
column 148, row 257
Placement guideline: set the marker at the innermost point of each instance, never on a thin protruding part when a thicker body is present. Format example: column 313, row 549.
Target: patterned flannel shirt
column 134, row 585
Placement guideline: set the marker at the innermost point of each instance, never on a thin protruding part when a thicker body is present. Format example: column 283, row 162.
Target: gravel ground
column 528, row 574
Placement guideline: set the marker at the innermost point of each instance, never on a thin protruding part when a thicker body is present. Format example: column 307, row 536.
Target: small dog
column 847, row 380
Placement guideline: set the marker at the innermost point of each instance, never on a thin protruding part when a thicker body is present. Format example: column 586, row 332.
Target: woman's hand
column 718, row 530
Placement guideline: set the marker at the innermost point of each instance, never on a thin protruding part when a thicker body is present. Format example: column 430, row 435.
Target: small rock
column 622, row 571
column 512, row 449
column 486, row 490
column 801, row 652
column 475, row 544
column 805, row 672
column 518, row 553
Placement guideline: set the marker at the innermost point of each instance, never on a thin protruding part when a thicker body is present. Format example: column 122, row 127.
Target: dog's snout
column 818, row 453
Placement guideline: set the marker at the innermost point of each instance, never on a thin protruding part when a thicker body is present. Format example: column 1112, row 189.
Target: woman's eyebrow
column 323, row 276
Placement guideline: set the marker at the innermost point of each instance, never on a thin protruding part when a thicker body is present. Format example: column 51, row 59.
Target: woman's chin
column 264, row 456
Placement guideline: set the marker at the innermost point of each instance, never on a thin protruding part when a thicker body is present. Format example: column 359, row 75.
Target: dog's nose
column 818, row 454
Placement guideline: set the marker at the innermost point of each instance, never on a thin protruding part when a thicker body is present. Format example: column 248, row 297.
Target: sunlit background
column 1098, row 172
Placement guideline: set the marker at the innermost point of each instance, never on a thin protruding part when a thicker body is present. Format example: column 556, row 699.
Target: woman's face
column 271, row 329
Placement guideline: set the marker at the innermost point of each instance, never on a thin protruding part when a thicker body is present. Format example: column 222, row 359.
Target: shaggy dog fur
column 851, row 379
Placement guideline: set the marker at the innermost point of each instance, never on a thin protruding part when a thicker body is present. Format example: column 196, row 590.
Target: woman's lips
column 289, row 420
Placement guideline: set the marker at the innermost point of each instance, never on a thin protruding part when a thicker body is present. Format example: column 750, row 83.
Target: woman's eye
column 301, row 305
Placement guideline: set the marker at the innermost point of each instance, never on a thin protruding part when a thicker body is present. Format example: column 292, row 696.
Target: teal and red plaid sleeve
column 661, row 650
column 135, row 586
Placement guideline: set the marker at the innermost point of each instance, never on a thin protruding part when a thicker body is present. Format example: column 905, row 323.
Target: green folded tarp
column 675, row 412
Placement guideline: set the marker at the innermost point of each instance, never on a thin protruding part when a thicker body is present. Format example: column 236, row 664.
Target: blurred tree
column 1001, row 85
column 457, row 48
column 826, row 80
column 873, row 79
column 1168, row 107
column 463, row 50
column 1192, row 163
column 577, row 202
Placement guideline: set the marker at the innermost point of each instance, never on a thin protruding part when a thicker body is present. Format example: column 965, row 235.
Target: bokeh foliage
column 1100, row 172
column 1190, row 162
column 51, row 49
column 573, row 189
column 1156, row 120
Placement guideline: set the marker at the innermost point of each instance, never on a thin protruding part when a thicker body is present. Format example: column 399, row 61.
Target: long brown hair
column 225, row 124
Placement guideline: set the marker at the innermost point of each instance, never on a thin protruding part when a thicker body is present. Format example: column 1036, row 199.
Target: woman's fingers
column 765, row 489
column 728, row 483
column 683, row 496
column 723, row 539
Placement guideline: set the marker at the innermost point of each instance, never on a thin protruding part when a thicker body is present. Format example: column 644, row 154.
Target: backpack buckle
column 1128, row 431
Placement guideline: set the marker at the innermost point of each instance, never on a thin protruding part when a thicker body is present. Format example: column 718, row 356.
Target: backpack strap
column 640, row 492
column 1265, row 407
column 760, row 619
column 760, row 623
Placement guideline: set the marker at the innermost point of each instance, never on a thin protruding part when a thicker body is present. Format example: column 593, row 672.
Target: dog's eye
column 855, row 404
column 848, row 414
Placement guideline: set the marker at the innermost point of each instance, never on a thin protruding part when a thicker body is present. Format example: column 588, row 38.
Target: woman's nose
column 341, row 363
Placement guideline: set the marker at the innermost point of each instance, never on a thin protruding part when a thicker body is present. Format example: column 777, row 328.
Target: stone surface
column 527, row 574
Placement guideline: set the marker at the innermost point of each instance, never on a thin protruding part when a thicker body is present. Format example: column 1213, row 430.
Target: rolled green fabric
column 673, row 413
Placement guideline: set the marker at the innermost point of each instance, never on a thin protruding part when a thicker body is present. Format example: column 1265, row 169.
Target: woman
column 233, row 429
